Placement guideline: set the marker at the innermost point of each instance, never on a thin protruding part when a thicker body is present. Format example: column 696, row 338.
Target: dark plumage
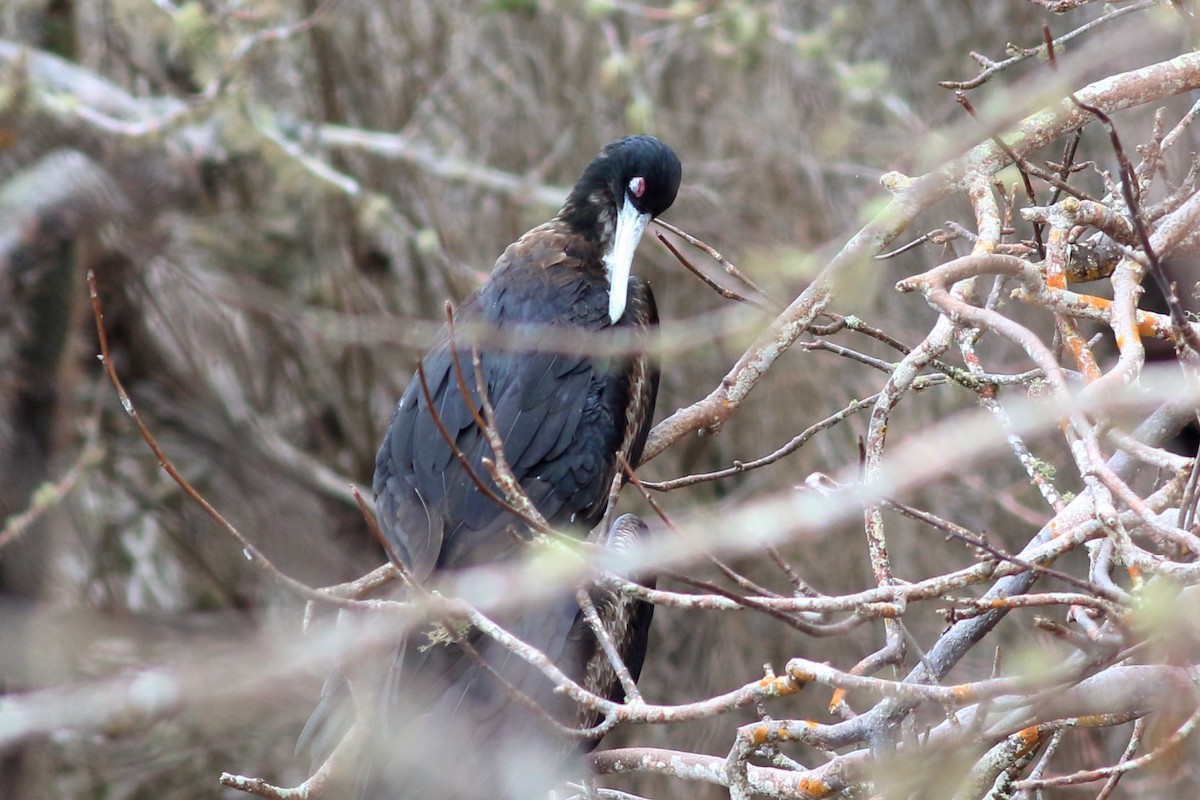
column 563, row 418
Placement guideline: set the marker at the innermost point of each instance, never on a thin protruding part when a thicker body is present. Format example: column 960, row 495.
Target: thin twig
column 252, row 554
column 725, row 263
column 728, row 294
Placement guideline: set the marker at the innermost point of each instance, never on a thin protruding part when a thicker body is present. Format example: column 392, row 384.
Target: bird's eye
column 637, row 186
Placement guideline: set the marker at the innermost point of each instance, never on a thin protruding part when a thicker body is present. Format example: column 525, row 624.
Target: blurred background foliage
column 270, row 272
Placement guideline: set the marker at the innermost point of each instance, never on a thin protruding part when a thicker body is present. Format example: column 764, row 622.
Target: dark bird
column 450, row 729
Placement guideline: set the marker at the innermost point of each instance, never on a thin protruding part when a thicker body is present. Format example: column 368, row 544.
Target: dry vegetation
column 276, row 198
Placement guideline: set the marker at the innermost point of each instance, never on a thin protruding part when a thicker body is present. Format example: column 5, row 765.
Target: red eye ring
column 637, row 186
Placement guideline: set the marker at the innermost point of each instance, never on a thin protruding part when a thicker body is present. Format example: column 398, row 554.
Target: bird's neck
column 592, row 216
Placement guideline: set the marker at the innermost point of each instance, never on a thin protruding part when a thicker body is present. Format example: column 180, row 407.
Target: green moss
column 439, row 634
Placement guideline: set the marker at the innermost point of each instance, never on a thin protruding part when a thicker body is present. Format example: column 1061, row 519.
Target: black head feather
column 604, row 186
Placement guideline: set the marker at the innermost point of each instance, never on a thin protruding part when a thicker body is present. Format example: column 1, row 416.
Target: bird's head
column 632, row 181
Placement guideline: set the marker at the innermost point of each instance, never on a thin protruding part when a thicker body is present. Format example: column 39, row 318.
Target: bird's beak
column 619, row 260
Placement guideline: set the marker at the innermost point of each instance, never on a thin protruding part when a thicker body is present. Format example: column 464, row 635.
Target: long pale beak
column 618, row 261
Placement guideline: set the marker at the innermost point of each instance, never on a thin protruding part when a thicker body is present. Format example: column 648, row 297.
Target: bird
column 565, row 418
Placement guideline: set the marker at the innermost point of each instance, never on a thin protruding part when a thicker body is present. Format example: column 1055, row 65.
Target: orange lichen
column 780, row 685
column 1094, row 721
column 962, row 693
column 1030, row 738
column 837, row 699
column 1153, row 326
column 811, row 787
column 1077, row 346
column 761, row 734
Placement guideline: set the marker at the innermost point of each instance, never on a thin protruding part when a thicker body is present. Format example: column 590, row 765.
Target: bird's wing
column 555, row 412
column 430, row 503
